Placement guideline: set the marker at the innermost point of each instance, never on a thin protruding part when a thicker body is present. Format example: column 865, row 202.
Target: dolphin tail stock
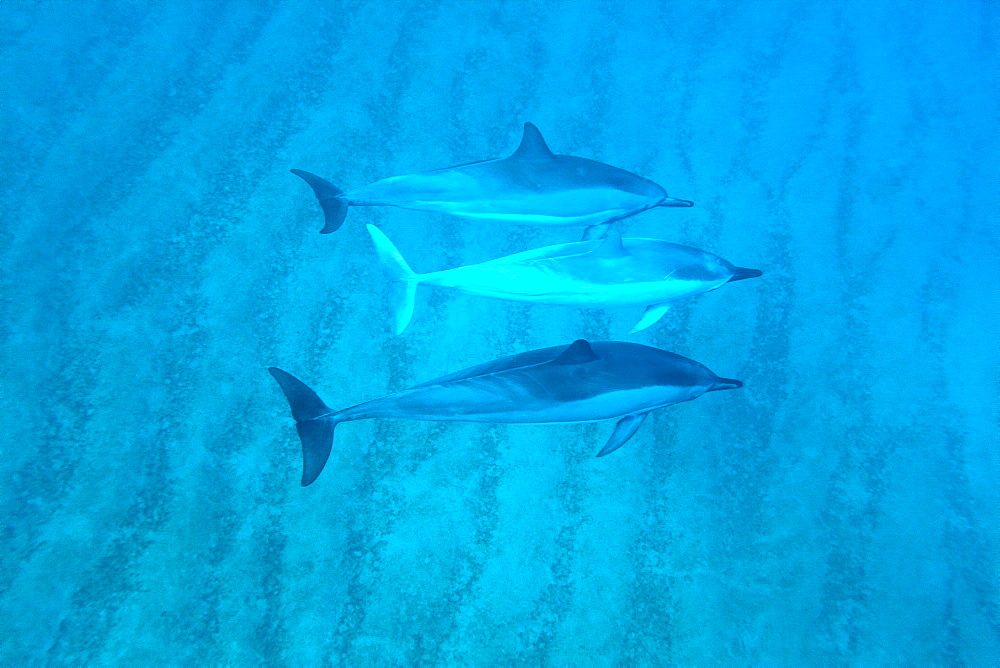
column 331, row 200
column 404, row 280
column 314, row 421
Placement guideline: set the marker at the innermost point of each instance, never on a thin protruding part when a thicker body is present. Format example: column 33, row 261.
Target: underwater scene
column 500, row 333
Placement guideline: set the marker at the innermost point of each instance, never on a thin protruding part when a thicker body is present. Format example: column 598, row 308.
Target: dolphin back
column 521, row 360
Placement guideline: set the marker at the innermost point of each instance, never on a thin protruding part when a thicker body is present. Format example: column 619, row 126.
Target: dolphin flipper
column 611, row 246
column 313, row 421
column 596, row 231
column 653, row 313
column 624, row 430
column 331, row 200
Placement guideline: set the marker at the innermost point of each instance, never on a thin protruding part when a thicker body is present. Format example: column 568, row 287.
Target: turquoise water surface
column 156, row 256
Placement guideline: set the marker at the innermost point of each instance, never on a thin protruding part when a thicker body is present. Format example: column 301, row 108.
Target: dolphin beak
column 726, row 384
column 670, row 201
column 742, row 272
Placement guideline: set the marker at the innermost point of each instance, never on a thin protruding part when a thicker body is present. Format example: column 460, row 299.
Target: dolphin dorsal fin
column 578, row 352
column 532, row 145
column 611, row 245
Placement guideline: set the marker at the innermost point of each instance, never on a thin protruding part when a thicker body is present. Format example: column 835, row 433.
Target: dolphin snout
column 726, row 384
column 672, row 201
column 740, row 273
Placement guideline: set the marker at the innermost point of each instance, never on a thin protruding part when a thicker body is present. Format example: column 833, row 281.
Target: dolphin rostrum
column 602, row 273
column 582, row 382
column 534, row 186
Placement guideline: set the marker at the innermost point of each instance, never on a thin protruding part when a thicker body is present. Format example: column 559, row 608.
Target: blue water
column 157, row 256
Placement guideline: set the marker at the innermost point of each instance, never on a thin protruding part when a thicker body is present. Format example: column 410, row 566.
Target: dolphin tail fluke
column 331, row 200
column 314, row 421
column 624, row 430
column 405, row 281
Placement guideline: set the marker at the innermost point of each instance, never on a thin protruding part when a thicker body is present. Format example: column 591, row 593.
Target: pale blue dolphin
column 605, row 273
column 582, row 382
column 534, row 186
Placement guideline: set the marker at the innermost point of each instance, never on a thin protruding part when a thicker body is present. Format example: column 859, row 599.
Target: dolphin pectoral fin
column 331, row 200
column 653, row 313
column 611, row 245
column 578, row 352
column 596, row 231
column 624, row 430
column 313, row 422
column 532, row 146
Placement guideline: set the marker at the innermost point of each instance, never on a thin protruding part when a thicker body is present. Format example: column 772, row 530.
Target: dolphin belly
column 540, row 284
column 545, row 219
column 558, row 207
column 456, row 193
column 638, row 293
column 507, row 400
column 610, row 405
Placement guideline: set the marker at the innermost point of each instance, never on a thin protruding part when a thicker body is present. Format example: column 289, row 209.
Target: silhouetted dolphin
column 602, row 273
column 583, row 382
column 533, row 186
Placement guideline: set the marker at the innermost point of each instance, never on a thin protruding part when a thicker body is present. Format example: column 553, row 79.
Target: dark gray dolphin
column 582, row 382
column 534, row 186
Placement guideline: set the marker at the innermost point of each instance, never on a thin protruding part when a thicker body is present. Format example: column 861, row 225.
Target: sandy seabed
column 157, row 256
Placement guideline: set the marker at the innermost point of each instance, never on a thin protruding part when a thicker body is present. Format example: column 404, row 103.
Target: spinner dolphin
column 604, row 273
column 582, row 382
column 534, row 186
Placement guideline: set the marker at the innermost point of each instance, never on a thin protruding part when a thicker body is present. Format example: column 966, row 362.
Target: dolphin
column 533, row 186
column 582, row 382
column 601, row 273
